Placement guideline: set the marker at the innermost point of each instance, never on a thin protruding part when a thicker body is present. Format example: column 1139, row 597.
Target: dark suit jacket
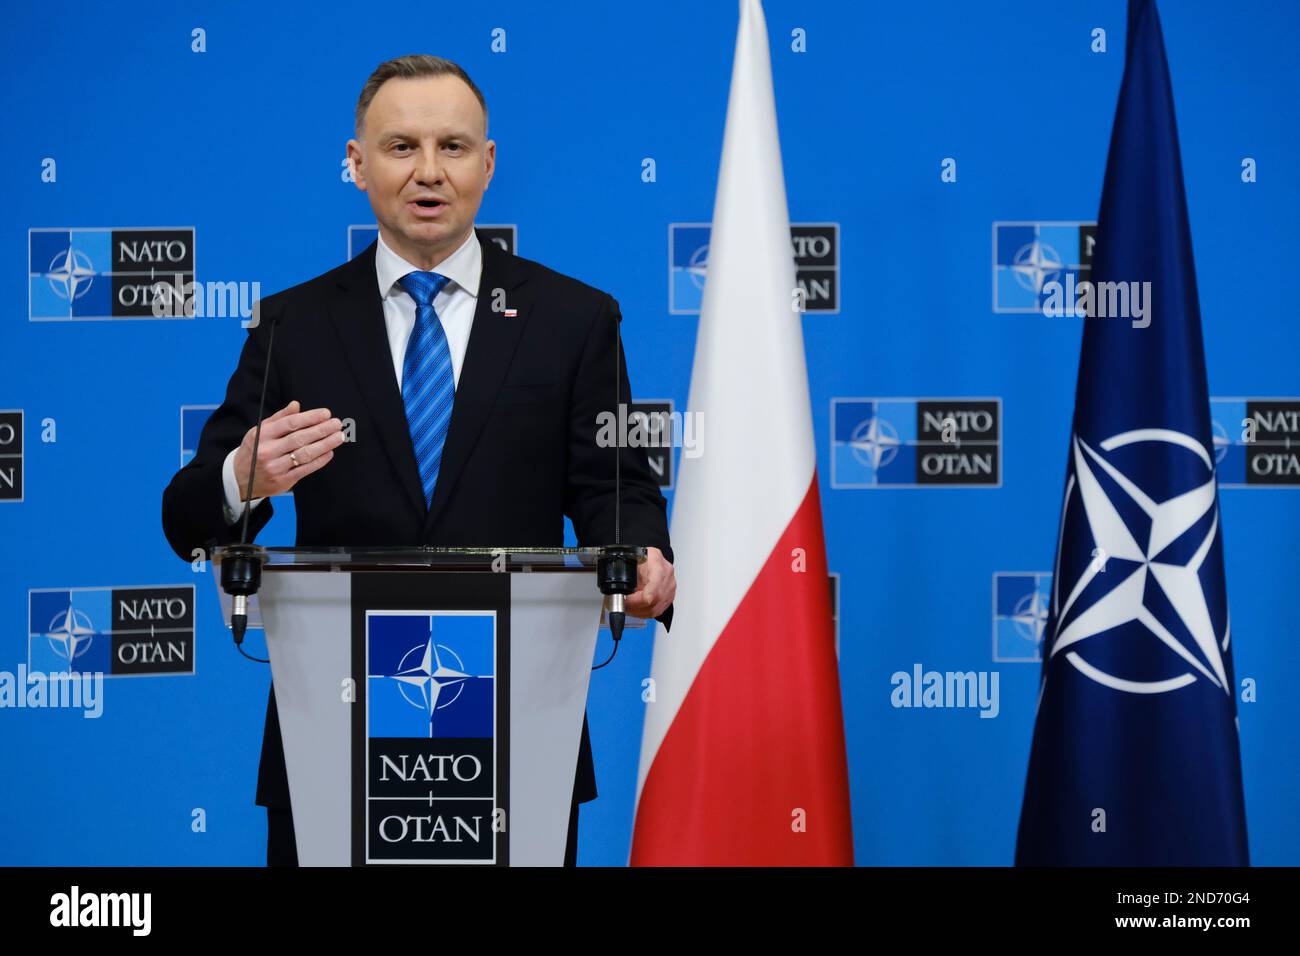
column 520, row 452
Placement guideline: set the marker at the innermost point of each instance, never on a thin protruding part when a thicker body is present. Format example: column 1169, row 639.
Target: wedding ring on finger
column 294, row 458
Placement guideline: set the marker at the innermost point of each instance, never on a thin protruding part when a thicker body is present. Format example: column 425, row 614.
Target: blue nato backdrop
column 1098, row 526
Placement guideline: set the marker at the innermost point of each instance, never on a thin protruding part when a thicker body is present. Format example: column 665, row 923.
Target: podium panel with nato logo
column 430, row 699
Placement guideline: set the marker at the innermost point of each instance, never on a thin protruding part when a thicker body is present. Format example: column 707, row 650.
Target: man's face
column 425, row 160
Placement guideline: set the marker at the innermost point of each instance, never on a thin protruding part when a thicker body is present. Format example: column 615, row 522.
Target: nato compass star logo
column 426, row 679
column 1036, row 264
column 1143, row 581
column 1022, row 602
column 70, row 634
column 1030, row 617
column 874, row 442
column 431, row 674
column 70, row 274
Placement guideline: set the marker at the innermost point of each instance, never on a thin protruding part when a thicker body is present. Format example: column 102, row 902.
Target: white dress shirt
column 455, row 306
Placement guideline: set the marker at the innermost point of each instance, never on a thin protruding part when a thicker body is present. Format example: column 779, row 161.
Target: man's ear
column 491, row 153
column 354, row 161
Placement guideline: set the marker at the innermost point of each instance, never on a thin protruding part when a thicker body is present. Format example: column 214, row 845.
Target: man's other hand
column 656, row 586
column 294, row 444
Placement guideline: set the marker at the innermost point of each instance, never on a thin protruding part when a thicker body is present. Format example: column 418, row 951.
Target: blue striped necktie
column 428, row 387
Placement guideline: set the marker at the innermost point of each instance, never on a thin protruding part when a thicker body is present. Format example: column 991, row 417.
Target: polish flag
column 742, row 757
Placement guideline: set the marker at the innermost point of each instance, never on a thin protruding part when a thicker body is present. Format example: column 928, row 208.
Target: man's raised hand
column 294, row 444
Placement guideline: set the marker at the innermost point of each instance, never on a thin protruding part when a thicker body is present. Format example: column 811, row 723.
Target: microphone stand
column 241, row 567
column 616, row 569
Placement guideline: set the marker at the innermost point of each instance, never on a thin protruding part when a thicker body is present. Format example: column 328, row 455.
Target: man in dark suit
column 471, row 382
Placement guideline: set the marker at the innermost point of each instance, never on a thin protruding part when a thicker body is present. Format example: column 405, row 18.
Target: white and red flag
column 742, row 758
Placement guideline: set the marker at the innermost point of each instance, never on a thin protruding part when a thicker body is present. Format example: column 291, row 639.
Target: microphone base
column 241, row 578
column 616, row 570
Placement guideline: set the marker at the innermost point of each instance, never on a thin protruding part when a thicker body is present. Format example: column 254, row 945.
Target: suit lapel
column 358, row 317
column 492, row 341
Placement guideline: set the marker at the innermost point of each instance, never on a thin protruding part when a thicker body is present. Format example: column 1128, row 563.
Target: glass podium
column 430, row 699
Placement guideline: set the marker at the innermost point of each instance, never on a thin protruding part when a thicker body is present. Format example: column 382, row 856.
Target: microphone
column 616, row 569
column 241, row 569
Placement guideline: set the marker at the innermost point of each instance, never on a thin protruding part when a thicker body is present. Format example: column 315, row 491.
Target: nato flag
column 1135, row 758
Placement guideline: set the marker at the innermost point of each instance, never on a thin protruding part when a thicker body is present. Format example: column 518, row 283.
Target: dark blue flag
column 1135, row 758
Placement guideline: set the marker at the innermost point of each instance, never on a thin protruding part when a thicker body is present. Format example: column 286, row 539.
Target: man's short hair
column 412, row 67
